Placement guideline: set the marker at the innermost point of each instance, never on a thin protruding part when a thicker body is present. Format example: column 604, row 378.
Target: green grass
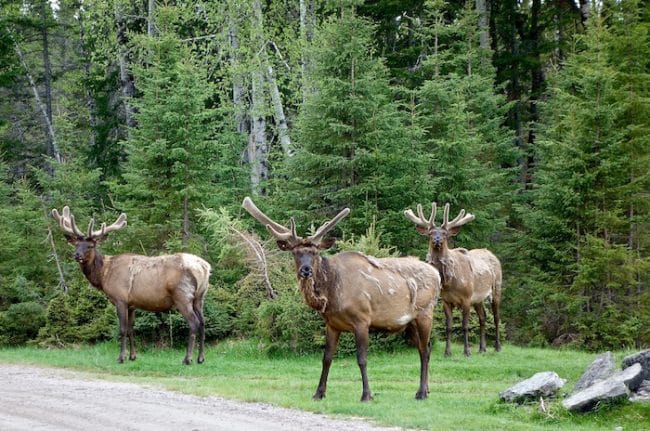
column 464, row 391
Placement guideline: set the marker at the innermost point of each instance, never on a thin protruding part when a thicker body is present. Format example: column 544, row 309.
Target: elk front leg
column 193, row 322
column 480, row 311
column 361, row 338
column 132, row 352
column 123, row 318
column 331, row 341
column 449, row 321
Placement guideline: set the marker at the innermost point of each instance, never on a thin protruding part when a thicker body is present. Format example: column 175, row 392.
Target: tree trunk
column 90, row 100
column 126, row 78
column 151, row 6
column 536, row 77
column 56, row 154
column 47, row 80
column 257, row 146
column 276, row 98
column 483, row 11
column 307, row 20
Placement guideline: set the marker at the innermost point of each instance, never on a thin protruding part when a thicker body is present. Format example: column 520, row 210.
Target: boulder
column 601, row 368
column 613, row 389
column 603, row 391
column 642, row 358
column 642, row 394
column 544, row 384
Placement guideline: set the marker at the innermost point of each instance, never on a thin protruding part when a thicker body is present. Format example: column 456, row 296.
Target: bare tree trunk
column 307, row 20
column 257, row 145
column 151, row 6
column 47, row 73
column 237, row 80
column 584, row 11
column 126, row 79
column 90, row 100
column 56, row 154
column 186, row 222
column 276, row 99
column 483, row 11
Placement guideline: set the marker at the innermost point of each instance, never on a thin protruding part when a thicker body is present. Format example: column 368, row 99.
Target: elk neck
column 316, row 290
column 92, row 269
column 439, row 258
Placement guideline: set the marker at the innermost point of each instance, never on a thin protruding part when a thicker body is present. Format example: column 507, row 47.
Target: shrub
column 21, row 322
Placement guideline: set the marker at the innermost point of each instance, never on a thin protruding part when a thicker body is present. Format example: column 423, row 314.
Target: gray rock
column 601, row 368
column 612, row 389
column 609, row 390
column 544, row 384
column 642, row 358
column 632, row 376
column 642, row 394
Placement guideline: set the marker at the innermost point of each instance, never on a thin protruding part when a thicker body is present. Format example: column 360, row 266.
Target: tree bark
column 307, row 20
column 257, row 145
column 151, row 6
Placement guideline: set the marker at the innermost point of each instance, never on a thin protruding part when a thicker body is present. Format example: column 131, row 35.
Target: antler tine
column 66, row 222
column 277, row 230
column 105, row 230
column 420, row 219
column 459, row 220
column 445, row 216
column 329, row 225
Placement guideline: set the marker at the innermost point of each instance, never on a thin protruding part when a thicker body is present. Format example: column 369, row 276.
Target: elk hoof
column 421, row 395
column 187, row 361
column 318, row 396
column 365, row 398
column 120, row 360
column 132, row 358
column 200, row 360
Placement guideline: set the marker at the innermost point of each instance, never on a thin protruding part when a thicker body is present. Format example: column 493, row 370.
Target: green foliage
column 21, row 322
column 585, row 224
column 353, row 145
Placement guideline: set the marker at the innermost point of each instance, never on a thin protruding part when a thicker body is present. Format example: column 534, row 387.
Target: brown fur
column 132, row 281
column 353, row 293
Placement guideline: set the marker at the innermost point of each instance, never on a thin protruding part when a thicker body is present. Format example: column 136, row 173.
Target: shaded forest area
column 534, row 116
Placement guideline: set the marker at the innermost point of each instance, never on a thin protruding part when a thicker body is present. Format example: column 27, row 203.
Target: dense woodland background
column 533, row 115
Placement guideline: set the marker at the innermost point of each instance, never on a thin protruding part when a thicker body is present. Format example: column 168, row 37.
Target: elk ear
column 283, row 245
column 71, row 239
column 326, row 243
column 422, row 230
column 454, row 230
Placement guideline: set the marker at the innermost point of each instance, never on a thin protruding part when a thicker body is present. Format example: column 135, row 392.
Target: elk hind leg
column 422, row 337
column 495, row 313
column 465, row 309
column 123, row 318
column 480, row 311
column 331, row 342
column 198, row 310
column 132, row 352
column 361, row 339
column 187, row 310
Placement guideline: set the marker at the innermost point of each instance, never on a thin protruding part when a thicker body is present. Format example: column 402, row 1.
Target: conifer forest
column 532, row 115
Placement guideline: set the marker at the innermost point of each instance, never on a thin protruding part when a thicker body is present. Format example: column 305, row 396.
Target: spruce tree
column 354, row 149
column 585, row 228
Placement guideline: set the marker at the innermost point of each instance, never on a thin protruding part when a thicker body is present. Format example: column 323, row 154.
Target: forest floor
column 48, row 399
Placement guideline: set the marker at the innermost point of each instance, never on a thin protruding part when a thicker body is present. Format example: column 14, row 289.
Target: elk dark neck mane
column 93, row 270
column 316, row 290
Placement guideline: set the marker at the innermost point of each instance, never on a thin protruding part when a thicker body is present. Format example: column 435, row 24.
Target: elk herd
column 351, row 291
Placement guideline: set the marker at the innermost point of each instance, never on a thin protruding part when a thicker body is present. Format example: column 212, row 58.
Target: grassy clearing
column 464, row 391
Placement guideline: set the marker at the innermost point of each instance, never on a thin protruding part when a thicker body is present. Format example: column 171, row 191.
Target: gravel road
column 46, row 399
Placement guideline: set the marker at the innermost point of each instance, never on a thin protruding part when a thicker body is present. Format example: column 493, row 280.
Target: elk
column 131, row 281
column 353, row 292
column 469, row 277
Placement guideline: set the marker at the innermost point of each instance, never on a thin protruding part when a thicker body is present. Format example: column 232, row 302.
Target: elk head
column 85, row 243
column 306, row 251
column 438, row 236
